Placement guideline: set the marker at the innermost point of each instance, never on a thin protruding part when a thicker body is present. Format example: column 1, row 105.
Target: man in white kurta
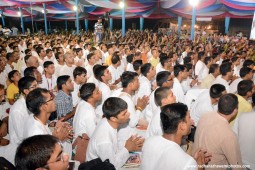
column 165, row 154
column 103, row 144
column 84, row 119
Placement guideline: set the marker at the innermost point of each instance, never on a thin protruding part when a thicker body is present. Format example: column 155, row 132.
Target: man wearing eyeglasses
column 29, row 154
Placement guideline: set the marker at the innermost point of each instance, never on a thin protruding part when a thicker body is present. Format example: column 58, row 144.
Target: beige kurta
column 216, row 136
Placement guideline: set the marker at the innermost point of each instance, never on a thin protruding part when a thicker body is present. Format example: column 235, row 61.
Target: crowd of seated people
column 62, row 94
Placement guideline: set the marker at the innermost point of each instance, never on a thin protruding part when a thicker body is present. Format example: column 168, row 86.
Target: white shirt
column 49, row 84
column 204, row 72
column 84, row 120
column 34, row 127
column 106, row 93
column 8, row 68
column 66, row 70
column 245, row 132
column 220, row 80
column 130, row 67
column 3, row 78
column 234, row 84
column 144, row 88
column 103, row 145
column 128, row 129
column 114, row 72
column 154, row 128
column 151, row 107
column 178, row 91
column 201, row 106
column 17, row 118
column 160, row 153
column 89, row 69
column 159, row 68
column 58, row 68
column 3, row 107
column 74, row 93
column 92, row 79
column 198, row 68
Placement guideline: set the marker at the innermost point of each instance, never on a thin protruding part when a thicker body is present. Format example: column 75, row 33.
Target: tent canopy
column 153, row 9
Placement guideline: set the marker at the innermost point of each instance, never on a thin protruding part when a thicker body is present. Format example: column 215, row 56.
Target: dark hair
column 244, row 87
column 213, row 68
column 90, row 55
column 234, row 59
column 207, row 60
column 127, row 77
column 38, row 50
column 178, row 69
column 9, row 55
column 130, row 58
column 79, row 71
column 27, row 57
column 99, row 72
column 160, row 94
column 62, row 80
column 200, row 55
column 162, row 77
column 189, row 66
column 77, row 50
column 11, row 74
column 137, row 64
column 164, row 59
column 25, row 83
column 27, row 51
column 216, row 90
column 244, row 71
column 35, row 151
column 57, row 55
column 46, row 64
column 145, row 68
column 35, row 99
column 86, row 91
column 227, row 104
column 248, row 63
column 171, row 115
column 48, row 51
column 29, row 71
column 225, row 68
column 115, row 59
column 113, row 106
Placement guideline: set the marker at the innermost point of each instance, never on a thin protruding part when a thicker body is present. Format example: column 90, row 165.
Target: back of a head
column 86, row 91
column 137, row 64
column 171, row 115
column 35, row 99
column 162, row 77
column 225, row 68
column 130, row 58
column 113, row 106
column 178, row 69
column 62, row 80
column 29, row 71
column 201, row 55
column 160, row 93
column 25, row 83
column 127, row 77
column 213, row 68
column 227, row 104
column 217, row 90
column 99, row 72
column 145, row 68
column 248, row 63
column 244, row 71
column 115, row 59
column 244, row 87
column 34, row 152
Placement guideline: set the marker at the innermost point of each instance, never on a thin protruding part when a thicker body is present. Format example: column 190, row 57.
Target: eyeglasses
column 52, row 97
